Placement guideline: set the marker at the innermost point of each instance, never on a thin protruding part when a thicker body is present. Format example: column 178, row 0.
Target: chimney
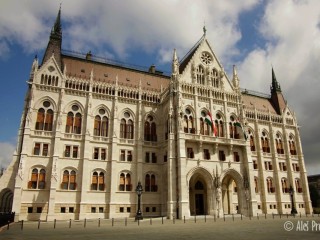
column 88, row 55
column 152, row 69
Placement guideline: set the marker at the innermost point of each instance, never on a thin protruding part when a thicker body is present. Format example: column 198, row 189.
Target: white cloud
column 6, row 153
column 292, row 31
column 150, row 26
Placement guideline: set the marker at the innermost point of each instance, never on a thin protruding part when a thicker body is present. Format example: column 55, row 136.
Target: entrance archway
column 198, row 195
column 6, row 199
column 232, row 193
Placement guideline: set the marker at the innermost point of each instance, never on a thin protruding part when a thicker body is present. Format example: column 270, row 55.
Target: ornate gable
column 201, row 66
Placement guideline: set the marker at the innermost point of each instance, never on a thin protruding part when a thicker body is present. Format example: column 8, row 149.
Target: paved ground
column 300, row 228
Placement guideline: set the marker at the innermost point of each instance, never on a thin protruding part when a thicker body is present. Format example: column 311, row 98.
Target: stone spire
column 277, row 98
column 275, row 87
column 56, row 31
column 175, row 63
column 55, row 42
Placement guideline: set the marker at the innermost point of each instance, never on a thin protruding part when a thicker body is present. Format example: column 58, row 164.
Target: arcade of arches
column 204, row 198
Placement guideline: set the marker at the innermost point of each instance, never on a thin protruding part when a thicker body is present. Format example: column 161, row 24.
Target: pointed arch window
column 252, row 143
column 150, row 129
column 284, row 185
column 200, row 75
column 204, row 126
column 150, row 183
column 69, row 180
column 279, row 145
column 45, row 117
column 233, row 129
column 270, row 186
column 265, row 142
column 126, row 126
column 97, row 182
column 101, row 124
column 256, row 184
column 214, row 78
column 38, row 179
column 188, row 122
column 292, row 146
column 298, row 185
column 74, row 120
column 125, row 182
column 219, row 124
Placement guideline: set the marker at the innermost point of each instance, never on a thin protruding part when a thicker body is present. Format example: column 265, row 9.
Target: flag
column 210, row 122
column 238, row 124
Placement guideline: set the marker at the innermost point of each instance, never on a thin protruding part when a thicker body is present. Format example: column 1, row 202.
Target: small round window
column 46, row 104
column 75, row 108
column 102, row 111
column 188, row 111
column 232, row 118
column 126, row 115
column 203, row 113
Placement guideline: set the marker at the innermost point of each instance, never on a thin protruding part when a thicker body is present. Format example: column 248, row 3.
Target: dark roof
column 185, row 60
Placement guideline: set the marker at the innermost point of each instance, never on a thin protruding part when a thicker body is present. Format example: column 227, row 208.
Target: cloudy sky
column 253, row 34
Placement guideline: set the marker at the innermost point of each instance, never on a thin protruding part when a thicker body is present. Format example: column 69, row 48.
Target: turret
column 175, row 63
column 235, row 79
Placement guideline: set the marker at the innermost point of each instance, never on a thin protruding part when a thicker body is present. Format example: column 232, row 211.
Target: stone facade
column 91, row 130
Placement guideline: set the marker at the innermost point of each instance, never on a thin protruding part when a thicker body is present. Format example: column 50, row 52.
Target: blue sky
column 253, row 34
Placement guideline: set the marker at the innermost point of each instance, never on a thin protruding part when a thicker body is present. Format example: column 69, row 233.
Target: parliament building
column 91, row 129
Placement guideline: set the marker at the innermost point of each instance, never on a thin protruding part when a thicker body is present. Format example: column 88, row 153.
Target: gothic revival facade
column 92, row 129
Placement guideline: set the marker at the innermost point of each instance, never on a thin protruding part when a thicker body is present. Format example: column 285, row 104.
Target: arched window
column 292, row 146
column 200, row 74
column 40, row 119
column 150, row 183
column 74, row 120
column 45, row 117
column 97, row 181
column 125, row 182
column 252, row 143
column 298, row 185
column 270, row 186
column 130, row 129
column 69, row 180
column 204, row 126
column 279, row 145
column 265, row 142
column 256, row 184
column 188, row 122
column 101, row 124
column 233, row 131
column 38, row 179
column 284, row 185
column 126, row 126
column 123, row 128
column 214, row 78
column 150, row 129
column 97, row 126
column 219, row 124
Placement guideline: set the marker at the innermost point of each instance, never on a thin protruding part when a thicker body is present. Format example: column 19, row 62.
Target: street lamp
column 139, row 190
column 293, row 209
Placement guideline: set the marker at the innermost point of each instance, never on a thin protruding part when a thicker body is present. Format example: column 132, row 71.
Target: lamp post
column 139, row 190
column 293, row 209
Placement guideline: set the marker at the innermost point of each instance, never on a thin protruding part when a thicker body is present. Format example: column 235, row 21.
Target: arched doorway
column 232, row 191
column 198, row 196
column 6, row 199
